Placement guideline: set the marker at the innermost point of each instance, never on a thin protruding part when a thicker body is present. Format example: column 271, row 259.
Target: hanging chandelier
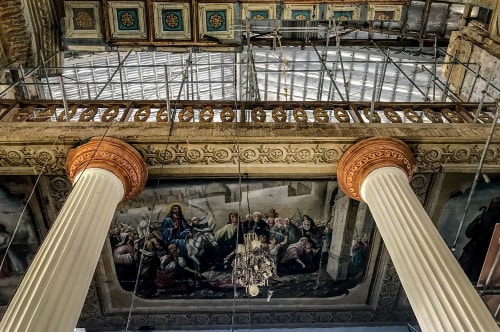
column 253, row 266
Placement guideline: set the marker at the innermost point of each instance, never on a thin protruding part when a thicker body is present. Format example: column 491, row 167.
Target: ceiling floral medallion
column 83, row 20
column 127, row 19
column 172, row 20
column 216, row 21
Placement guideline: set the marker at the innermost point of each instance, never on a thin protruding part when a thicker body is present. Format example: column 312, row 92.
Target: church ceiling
column 241, row 108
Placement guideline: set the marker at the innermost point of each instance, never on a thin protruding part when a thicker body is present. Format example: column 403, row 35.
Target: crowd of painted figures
column 171, row 255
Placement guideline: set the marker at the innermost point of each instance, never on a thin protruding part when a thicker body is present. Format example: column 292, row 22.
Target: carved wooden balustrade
column 227, row 111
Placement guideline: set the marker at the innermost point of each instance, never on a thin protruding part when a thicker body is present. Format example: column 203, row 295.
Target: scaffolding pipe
column 328, row 72
column 374, row 93
column 434, row 69
column 474, row 83
column 63, row 92
column 13, row 85
column 114, row 73
column 476, row 177
column 453, row 96
column 484, row 92
column 382, row 76
column 402, row 72
column 167, row 92
column 121, row 75
column 46, row 74
column 425, row 19
column 339, row 50
column 445, row 92
column 455, row 60
column 23, row 79
column 480, row 106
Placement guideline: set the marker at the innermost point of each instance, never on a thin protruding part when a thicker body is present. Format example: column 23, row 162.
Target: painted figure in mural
column 248, row 224
column 261, row 227
column 173, row 275
column 175, row 229
column 149, row 264
column 313, row 233
column 124, row 258
column 12, row 264
column 359, row 253
column 196, row 244
column 277, row 230
column 291, row 231
column 228, row 237
column 294, row 259
column 480, row 231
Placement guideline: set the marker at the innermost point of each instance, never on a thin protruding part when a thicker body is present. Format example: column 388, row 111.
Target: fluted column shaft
column 64, row 265
column 376, row 170
column 52, row 293
column 439, row 292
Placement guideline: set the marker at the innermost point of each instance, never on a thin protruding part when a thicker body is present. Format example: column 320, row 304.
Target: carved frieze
column 32, row 159
column 291, row 155
column 245, row 153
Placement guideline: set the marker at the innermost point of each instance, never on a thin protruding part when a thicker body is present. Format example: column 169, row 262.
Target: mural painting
column 18, row 243
column 483, row 213
column 263, row 238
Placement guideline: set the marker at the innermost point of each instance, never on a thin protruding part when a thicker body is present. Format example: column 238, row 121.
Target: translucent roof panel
column 258, row 73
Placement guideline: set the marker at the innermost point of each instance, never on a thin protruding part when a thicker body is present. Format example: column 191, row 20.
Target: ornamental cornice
column 284, row 158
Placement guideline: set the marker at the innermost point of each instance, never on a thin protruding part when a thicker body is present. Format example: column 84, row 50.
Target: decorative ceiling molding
column 257, row 149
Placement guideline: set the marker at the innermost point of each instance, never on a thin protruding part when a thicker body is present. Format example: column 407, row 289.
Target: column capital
column 113, row 155
column 368, row 155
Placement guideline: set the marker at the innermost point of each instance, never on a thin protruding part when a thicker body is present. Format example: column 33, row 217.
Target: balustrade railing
column 256, row 112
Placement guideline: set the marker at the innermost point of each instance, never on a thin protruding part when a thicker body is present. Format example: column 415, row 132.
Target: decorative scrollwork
column 142, row 114
column 162, row 115
column 67, row 115
column 279, row 114
column 186, row 114
column 299, row 115
column 258, row 114
column 341, row 115
column 451, row 116
column 392, row 115
column 110, row 114
column 432, row 115
column 88, row 114
column 412, row 115
column 227, row 114
column 320, row 115
column 375, row 118
column 207, row 114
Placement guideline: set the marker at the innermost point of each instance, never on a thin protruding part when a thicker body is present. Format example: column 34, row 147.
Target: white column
column 68, row 256
column 52, row 293
column 440, row 294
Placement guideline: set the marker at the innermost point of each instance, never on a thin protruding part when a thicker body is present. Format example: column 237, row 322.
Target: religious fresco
column 18, row 243
column 210, row 240
column 471, row 244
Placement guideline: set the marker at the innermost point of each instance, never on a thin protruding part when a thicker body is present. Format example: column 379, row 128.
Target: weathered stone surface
column 259, row 149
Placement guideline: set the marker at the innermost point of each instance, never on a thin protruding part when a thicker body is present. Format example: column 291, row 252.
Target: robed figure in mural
column 175, row 229
column 480, row 231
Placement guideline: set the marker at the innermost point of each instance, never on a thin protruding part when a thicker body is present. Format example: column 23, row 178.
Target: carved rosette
column 112, row 155
column 368, row 155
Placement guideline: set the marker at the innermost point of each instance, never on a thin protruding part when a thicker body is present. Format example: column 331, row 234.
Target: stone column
column 51, row 295
column 377, row 171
